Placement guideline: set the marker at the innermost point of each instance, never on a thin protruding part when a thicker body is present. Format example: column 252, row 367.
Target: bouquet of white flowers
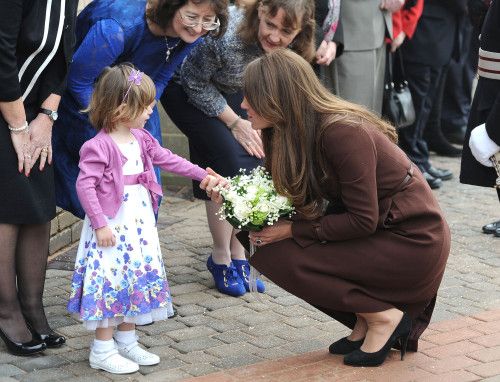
column 251, row 202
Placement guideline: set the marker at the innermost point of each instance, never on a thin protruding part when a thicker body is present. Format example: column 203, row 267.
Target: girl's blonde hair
column 298, row 14
column 283, row 89
column 108, row 104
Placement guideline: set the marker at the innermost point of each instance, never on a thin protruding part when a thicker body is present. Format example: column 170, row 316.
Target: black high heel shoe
column 22, row 348
column 345, row 346
column 402, row 332
column 51, row 339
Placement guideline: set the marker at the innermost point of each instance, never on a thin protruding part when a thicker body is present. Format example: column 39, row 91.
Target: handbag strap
column 389, row 59
column 401, row 66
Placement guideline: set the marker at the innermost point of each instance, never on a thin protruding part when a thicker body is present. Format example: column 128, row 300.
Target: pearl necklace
column 170, row 48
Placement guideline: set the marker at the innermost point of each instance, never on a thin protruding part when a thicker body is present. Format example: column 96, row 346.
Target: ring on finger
column 45, row 149
column 27, row 156
column 258, row 241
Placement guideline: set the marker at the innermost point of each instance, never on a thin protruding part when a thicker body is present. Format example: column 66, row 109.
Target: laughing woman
column 206, row 107
column 154, row 35
column 375, row 257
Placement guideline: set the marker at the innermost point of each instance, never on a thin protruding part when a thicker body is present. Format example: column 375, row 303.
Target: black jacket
column 22, row 24
column 436, row 37
column 485, row 106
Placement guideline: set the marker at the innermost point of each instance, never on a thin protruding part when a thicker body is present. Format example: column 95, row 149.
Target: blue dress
column 108, row 32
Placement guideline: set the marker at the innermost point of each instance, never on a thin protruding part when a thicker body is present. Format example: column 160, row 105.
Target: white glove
column 481, row 146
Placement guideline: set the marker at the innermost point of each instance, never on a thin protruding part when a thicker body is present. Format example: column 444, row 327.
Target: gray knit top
column 216, row 66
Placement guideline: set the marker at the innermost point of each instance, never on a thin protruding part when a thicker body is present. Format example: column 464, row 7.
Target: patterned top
column 331, row 20
column 216, row 66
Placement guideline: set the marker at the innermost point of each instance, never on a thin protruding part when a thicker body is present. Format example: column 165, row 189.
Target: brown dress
column 383, row 242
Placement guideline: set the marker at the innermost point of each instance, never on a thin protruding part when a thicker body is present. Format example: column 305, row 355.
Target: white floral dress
column 127, row 282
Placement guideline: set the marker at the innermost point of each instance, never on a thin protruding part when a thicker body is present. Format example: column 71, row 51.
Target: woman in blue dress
column 154, row 35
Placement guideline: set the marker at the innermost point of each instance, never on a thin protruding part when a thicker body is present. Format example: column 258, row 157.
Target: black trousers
column 424, row 83
column 457, row 97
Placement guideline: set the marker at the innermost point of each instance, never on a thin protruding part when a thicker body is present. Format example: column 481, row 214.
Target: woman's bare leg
column 380, row 327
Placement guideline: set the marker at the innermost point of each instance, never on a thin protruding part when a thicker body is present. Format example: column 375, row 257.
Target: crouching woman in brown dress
column 374, row 258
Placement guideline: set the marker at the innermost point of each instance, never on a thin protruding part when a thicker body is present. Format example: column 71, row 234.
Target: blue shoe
column 243, row 269
column 226, row 278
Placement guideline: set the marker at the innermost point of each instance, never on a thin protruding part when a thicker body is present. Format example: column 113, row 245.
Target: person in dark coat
column 36, row 41
column 483, row 130
column 426, row 56
column 376, row 256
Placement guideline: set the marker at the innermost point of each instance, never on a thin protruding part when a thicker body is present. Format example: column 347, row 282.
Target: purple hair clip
column 135, row 77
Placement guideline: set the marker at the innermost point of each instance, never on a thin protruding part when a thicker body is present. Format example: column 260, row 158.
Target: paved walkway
column 214, row 333
column 459, row 350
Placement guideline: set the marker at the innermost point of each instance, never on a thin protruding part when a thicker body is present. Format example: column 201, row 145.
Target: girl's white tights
column 122, row 338
column 103, row 346
column 125, row 337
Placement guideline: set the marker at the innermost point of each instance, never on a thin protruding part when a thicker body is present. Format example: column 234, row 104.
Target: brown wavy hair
column 298, row 14
column 283, row 89
column 161, row 12
column 108, row 105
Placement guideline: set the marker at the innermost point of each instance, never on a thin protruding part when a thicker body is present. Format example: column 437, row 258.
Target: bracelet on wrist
column 19, row 129
column 234, row 123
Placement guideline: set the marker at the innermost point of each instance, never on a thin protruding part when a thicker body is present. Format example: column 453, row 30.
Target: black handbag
column 397, row 105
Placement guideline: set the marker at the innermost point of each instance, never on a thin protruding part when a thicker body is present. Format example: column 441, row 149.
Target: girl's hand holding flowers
column 212, row 184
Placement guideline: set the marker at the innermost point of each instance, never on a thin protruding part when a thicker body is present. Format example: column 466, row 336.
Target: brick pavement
column 459, row 350
column 213, row 332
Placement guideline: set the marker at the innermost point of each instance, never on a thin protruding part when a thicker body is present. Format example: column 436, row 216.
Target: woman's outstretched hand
column 280, row 230
column 248, row 138
column 211, row 184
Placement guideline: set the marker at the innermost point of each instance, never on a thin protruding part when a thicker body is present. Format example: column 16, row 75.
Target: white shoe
column 112, row 362
column 140, row 356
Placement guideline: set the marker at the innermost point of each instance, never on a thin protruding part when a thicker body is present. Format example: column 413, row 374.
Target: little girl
column 119, row 278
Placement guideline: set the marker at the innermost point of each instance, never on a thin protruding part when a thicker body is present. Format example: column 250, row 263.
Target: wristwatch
column 51, row 113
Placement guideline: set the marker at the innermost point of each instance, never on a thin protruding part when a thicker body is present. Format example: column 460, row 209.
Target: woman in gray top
column 206, row 107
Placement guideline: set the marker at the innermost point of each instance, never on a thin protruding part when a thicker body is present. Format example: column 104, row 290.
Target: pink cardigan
column 100, row 182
